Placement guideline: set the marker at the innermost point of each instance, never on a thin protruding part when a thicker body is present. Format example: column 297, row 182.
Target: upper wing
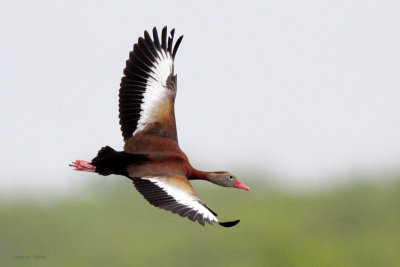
column 174, row 193
column 148, row 89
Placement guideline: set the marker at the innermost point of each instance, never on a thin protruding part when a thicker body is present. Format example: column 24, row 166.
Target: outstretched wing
column 148, row 89
column 174, row 193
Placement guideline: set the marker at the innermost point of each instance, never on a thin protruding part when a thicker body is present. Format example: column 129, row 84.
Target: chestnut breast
column 165, row 156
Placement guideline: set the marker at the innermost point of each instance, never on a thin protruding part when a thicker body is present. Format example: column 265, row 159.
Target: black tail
column 108, row 161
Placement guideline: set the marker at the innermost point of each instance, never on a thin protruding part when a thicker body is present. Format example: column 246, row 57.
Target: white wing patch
column 156, row 89
column 185, row 198
column 148, row 88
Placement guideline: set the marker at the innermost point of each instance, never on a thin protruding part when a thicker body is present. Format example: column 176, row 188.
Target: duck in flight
column 152, row 158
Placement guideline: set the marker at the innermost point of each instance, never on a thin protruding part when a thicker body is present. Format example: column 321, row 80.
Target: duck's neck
column 199, row 175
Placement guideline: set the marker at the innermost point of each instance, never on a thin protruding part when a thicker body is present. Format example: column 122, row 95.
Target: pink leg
column 83, row 165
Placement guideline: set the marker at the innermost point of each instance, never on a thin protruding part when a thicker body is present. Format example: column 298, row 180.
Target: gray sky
column 305, row 89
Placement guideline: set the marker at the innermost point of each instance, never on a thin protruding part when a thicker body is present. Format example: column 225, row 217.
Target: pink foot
column 83, row 165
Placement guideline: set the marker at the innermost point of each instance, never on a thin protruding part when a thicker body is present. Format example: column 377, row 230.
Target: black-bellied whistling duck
column 152, row 158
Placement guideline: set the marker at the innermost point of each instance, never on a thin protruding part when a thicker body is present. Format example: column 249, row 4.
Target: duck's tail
column 108, row 161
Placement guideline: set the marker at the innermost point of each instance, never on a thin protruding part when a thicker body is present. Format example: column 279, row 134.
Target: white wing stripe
column 156, row 89
column 184, row 198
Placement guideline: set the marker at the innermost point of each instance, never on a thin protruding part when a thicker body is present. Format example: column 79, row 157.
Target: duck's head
column 226, row 179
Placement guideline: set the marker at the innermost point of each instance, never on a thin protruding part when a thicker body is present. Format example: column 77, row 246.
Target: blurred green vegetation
column 354, row 225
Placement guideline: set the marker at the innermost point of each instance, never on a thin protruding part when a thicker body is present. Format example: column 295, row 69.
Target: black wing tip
column 167, row 42
column 229, row 224
column 178, row 42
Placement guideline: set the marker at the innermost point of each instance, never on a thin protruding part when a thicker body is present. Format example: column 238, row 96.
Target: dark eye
column 230, row 177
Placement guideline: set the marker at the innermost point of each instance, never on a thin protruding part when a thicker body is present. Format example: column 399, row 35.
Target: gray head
column 226, row 179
